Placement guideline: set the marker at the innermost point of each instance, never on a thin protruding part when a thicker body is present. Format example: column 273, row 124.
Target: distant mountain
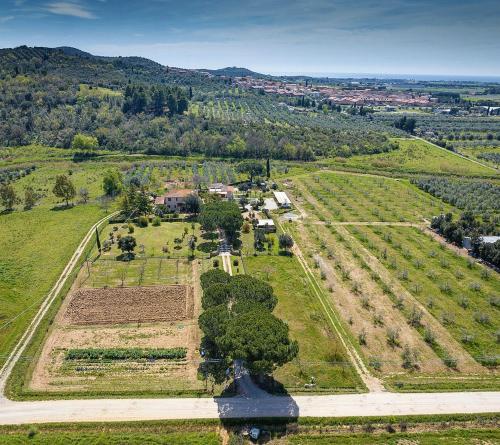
column 70, row 51
column 83, row 67
column 233, row 71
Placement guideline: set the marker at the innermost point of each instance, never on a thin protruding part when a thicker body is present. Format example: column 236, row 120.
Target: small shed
column 266, row 224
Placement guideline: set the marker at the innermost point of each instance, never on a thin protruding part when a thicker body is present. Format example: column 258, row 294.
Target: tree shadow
column 127, row 256
column 271, row 413
column 62, row 207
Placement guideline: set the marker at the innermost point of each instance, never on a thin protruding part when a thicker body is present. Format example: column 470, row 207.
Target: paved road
column 371, row 404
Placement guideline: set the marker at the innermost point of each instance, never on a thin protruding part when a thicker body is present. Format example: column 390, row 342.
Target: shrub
column 393, row 337
column 362, row 337
column 236, row 262
column 415, row 317
column 476, row 287
column 451, row 362
column 482, row 318
column 448, row 318
column 445, row 287
column 216, row 263
column 375, row 363
column 156, row 221
column 410, row 358
column 485, row 274
column 130, row 228
column 378, row 319
column 495, row 301
column 429, row 336
column 142, row 221
column 458, row 274
column 467, row 338
column 463, row 302
column 365, row 302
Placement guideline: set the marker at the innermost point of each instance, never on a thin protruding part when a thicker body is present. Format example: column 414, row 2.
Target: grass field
column 417, row 156
column 461, row 437
column 36, row 245
column 320, row 352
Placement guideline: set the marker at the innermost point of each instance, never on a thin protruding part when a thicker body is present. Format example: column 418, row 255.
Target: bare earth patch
column 130, row 304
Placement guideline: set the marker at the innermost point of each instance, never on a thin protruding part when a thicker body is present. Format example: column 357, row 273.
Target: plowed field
column 130, row 304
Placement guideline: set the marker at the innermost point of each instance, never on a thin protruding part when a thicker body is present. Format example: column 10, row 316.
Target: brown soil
column 130, row 304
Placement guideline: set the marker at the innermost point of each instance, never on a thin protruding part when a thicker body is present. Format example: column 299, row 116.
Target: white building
column 282, row 199
column 266, row 224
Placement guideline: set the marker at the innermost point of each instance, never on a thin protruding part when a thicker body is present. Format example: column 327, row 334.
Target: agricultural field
column 463, row 296
column 416, row 310
column 124, row 319
column 459, row 132
column 358, row 198
column 480, row 197
column 418, row 156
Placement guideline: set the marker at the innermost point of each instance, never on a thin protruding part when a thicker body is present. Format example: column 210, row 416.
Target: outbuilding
column 282, row 199
column 266, row 224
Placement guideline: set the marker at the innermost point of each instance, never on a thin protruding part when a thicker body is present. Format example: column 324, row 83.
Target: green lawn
column 152, row 240
column 106, row 438
column 417, row 156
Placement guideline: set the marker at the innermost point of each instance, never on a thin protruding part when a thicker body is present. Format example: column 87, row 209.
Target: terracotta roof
column 179, row 193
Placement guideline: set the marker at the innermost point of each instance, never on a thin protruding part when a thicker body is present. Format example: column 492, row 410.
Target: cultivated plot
column 362, row 198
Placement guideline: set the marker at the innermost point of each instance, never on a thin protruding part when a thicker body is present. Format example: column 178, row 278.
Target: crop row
column 97, row 354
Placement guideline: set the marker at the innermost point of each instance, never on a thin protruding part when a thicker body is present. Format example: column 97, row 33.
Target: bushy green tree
column 84, row 142
column 8, row 196
column 112, row 183
column 64, row 188
column 251, row 168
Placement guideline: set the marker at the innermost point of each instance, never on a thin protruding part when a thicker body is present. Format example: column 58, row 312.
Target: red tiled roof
column 179, row 193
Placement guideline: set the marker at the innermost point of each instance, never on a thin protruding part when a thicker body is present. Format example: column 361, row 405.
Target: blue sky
column 278, row 36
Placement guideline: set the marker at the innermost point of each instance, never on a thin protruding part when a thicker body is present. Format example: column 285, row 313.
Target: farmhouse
column 266, row 224
column 222, row 190
column 174, row 200
column 283, row 200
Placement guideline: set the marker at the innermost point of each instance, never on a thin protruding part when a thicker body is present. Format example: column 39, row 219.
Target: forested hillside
column 49, row 96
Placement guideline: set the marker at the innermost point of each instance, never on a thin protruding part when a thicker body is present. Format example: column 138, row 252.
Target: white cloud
column 72, row 9
column 6, row 18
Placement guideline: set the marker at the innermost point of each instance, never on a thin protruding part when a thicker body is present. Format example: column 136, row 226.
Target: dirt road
column 372, row 404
